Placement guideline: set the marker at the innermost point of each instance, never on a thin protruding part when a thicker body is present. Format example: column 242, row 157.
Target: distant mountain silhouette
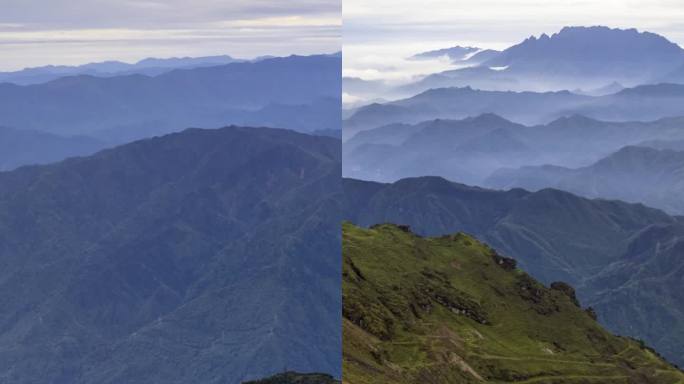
column 482, row 56
column 607, row 89
column 677, row 145
column 466, row 148
column 24, row 147
column 458, row 103
column 149, row 66
column 635, row 174
column 207, row 256
column 362, row 92
column 355, row 85
column 664, row 90
column 623, row 258
column 676, row 76
column 456, row 53
column 460, row 55
column 471, row 149
column 575, row 57
column 643, row 103
column 136, row 106
column 593, row 52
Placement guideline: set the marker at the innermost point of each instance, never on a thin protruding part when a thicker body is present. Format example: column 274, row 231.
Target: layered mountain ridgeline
column 453, row 53
column 358, row 92
column 451, row 310
column 609, row 89
column 149, row 66
column 358, row 86
column 584, row 57
column 296, row 92
column 676, row 145
column 456, row 54
column 296, row 378
column 466, row 150
column 643, row 103
column 596, row 245
column 22, row 147
column 204, row 256
column 459, row 103
column 676, row 76
column 472, row 149
column 634, row 174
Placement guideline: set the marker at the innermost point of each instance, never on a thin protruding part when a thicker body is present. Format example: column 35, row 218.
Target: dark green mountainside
column 624, row 259
column 451, row 310
column 206, row 256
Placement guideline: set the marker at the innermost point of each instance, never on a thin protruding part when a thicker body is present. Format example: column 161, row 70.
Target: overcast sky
column 39, row 32
column 499, row 23
column 378, row 35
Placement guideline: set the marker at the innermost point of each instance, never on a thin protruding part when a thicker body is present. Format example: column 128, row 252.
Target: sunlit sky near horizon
column 70, row 32
column 379, row 35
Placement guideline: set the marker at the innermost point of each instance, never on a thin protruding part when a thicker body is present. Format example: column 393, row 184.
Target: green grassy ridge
column 450, row 310
column 621, row 257
column 296, row 378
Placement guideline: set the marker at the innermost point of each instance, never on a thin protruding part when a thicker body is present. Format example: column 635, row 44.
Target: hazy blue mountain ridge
column 574, row 57
column 472, row 149
column 25, row 147
column 642, row 103
column 205, row 255
column 149, row 66
column 635, row 174
column 202, row 97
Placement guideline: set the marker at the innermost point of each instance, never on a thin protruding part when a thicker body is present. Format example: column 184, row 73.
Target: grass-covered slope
column 622, row 258
column 450, row 310
column 296, row 378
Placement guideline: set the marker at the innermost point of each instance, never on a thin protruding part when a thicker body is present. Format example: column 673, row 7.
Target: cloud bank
column 378, row 36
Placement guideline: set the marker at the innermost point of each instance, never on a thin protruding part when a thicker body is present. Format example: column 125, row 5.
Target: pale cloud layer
column 387, row 31
column 498, row 23
column 39, row 32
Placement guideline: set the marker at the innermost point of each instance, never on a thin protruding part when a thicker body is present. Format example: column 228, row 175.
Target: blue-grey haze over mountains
column 78, row 114
column 169, row 190
column 171, row 177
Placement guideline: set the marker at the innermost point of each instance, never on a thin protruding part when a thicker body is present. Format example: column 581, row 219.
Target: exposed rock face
column 506, row 263
column 592, row 313
column 567, row 289
column 442, row 315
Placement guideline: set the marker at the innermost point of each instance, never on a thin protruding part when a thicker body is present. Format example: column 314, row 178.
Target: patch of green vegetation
column 296, row 378
column 451, row 310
